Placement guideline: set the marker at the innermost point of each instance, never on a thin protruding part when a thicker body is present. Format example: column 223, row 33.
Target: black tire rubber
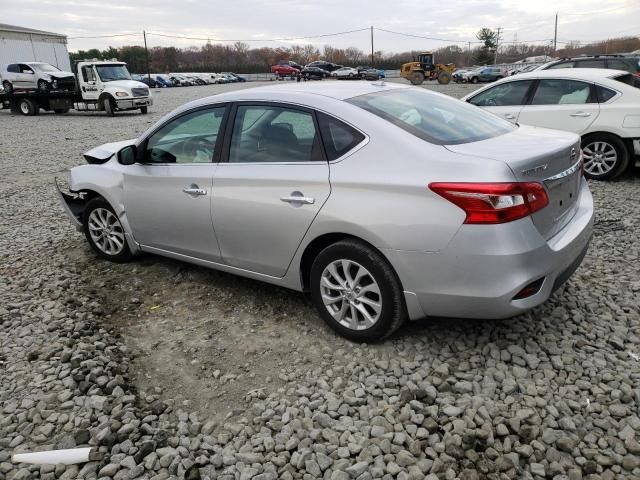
column 444, row 78
column 28, row 107
column 108, row 106
column 393, row 308
column 43, row 86
column 619, row 147
column 474, row 80
column 98, row 202
column 144, row 110
column 8, row 88
column 416, row 78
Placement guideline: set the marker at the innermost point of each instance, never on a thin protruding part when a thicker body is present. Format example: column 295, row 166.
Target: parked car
column 36, row 76
column 473, row 75
column 345, row 73
column 163, row 80
column 465, row 223
column 239, row 78
column 602, row 106
column 328, row 66
column 314, row 73
column 372, row 74
column 291, row 63
column 144, row 79
column 180, row 81
column 628, row 63
column 491, row 74
column 196, row 80
column 284, row 70
column 458, row 75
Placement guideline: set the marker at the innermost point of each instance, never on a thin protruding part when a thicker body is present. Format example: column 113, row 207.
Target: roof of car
column 577, row 73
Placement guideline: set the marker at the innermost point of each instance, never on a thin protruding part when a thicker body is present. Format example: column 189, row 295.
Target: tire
column 98, row 214
column 60, row 111
column 375, row 270
column 351, row 76
column 416, row 78
column 108, row 106
column 474, row 80
column 605, row 156
column 44, row 86
column 28, row 108
column 444, row 78
column 144, row 110
column 8, row 88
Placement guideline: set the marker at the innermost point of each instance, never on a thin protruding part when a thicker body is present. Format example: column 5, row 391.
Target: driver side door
column 167, row 195
column 505, row 99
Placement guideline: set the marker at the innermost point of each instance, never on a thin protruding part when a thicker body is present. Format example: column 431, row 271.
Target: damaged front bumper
column 73, row 204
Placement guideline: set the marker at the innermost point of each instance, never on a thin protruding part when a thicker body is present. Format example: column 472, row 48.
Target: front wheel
column 43, row 85
column 144, row 110
column 109, row 107
column 6, row 85
column 356, row 291
column 605, row 156
column 417, row 78
column 104, row 232
column 474, row 80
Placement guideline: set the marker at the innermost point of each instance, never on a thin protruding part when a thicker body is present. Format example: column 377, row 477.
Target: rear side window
column 620, row 64
column 605, row 94
column 561, row 65
column 562, row 92
column 590, row 64
column 432, row 117
column 338, row 137
column 13, row 68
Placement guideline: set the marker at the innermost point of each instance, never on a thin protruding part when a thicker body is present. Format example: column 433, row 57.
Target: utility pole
column 469, row 53
column 495, row 57
column 146, row 51
column 555, row 35
column 372, row 46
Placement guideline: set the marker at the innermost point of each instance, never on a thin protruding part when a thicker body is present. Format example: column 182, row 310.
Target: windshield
column 44, row 67
column 432, row 117
column 109, row 73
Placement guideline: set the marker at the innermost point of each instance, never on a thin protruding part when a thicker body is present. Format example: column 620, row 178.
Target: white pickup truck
column 101, row 85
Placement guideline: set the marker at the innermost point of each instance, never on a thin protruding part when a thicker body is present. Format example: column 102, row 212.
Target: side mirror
column 128, row 155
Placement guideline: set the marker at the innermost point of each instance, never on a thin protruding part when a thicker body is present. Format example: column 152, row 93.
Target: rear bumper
column 131, row 104
column 483, row 268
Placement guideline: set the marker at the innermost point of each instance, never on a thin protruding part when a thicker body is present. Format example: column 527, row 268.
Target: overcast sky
column 522, row 20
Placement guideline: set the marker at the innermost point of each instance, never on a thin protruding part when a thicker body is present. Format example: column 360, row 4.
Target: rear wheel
column 6, row 85
column 605, row 156
column 417, row 78
column 28, row 107
column 104, row 232
column 357, row 292
column 444, row 78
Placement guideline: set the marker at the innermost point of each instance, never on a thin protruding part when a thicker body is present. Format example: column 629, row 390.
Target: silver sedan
column 385, row 202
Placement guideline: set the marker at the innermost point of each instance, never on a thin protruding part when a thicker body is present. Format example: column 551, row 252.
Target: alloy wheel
column 599, row 158
column 351, row 294
column 106, row 231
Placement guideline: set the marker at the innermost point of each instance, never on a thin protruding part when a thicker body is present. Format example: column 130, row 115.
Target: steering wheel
column 192, row 147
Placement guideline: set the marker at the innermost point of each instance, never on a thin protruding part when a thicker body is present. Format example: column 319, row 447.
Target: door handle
column 509, row 116
column 194, row 190
column 580, row 114
column 298, row 199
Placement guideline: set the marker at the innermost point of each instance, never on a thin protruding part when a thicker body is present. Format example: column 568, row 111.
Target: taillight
column 490, row 203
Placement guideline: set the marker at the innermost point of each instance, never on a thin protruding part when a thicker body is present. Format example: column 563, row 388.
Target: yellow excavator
column 424, row 69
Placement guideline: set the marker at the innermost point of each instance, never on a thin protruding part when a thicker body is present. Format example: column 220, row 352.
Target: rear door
column 505, row 99
column 563, row 104
column 273, row 183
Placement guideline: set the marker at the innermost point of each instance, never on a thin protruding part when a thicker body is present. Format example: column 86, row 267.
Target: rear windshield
column 434, row 118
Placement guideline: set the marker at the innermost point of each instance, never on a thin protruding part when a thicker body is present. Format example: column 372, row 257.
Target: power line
column 107, row 36
column 425, row 37
column 282, row 39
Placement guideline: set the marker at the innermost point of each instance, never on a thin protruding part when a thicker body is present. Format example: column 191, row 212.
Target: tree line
column 241, row 58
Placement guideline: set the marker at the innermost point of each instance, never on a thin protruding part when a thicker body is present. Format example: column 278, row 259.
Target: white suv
column 36, row 75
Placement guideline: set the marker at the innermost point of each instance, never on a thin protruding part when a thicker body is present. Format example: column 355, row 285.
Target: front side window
column 88, row 75
column 266, row 133
column 432, row 117
column 190, row 138
column 506, row 94
column 25, row 69
column 562, row 92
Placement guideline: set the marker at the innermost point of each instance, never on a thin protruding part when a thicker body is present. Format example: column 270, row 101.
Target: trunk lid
column 550, row 157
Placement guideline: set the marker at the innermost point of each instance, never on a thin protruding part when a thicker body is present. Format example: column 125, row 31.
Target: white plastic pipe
column 69, row 456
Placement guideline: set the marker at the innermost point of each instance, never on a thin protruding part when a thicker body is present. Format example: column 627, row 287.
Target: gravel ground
column 173, row 371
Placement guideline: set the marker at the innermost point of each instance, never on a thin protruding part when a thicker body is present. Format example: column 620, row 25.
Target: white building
column 18, row 44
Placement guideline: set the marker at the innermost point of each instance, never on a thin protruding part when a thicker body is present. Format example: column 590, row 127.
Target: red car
column 284, row 69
